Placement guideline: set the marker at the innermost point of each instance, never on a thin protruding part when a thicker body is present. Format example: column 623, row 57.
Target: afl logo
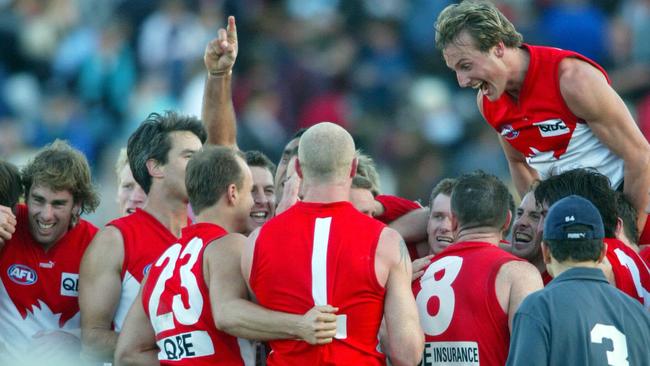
column 146, row 269
column 22, row 274
column 509, row 133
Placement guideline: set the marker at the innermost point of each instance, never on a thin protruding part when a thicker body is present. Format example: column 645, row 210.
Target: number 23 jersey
column 459, row 312
column 176, row 300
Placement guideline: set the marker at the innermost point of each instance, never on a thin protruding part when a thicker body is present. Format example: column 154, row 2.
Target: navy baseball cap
column 572, row 218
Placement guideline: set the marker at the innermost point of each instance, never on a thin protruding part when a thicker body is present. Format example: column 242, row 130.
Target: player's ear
column 154, row 168
column 353, row 168
column 232, row 194
column 298, row 168
column 546, row 253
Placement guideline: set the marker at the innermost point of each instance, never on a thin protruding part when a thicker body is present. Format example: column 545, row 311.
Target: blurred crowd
column 89, row 71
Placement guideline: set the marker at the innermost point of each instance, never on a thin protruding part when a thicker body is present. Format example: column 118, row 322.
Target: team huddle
column 221, row 258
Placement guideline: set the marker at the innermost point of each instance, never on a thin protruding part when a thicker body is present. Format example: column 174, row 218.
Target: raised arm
column 405, row 338
column 235, row 314
column 589, row 96
column 99, row 293
column 412, row 226
column 136, row 345
column 218, row 113
column 523, row 175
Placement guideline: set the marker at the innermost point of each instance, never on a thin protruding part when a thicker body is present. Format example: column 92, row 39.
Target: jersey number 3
column 440, row 289
column 618, row 355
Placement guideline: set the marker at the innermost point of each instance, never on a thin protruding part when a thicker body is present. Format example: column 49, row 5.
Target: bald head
column 326, row 152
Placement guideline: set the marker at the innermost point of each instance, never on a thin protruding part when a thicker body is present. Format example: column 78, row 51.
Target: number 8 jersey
column 459, row 312
column 176, row 300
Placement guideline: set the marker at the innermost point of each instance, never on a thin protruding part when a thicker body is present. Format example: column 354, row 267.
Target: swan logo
column 22, row 274
column 509, row 133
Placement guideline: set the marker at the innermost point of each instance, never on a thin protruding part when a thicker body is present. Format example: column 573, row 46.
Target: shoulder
column 391, row 245
column 518, row 271
column 578, row 76
column 106, row 246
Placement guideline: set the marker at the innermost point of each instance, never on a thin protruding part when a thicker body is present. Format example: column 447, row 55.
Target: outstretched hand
column 319, row 325
column 221, row 52
column 419, row 266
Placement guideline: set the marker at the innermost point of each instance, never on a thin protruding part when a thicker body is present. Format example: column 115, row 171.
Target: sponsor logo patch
column 146, row 269
column 509, row 133
column 185, row 345
column 22, row 275
column 70, row 284
column 552, row 127
column 450, row 354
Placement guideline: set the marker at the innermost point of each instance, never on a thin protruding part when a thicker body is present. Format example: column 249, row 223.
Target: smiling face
column 50, row 214
column 263, row 193
column 439, row 231
column 475, row 69
column 526, row 238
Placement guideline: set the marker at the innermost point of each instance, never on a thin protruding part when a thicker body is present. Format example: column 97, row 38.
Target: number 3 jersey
column 176, row 300
column 459, row 312
column 39, row 289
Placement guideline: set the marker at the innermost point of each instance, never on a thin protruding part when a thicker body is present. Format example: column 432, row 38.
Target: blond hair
column 326, row 152
column 485, row 24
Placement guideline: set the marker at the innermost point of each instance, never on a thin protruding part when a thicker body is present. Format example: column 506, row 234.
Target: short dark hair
column 577, row 250
column 151, row 141
column 512, row 208
column 61, row 167
column 209, row 173
column 299, row 133
column 587, row 183
column 445, row 186
column 259, row 159
column 480, row 199
column 628, row 215
column 11, row 187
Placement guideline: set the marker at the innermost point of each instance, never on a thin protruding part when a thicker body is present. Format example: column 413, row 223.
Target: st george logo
column 22, row 274
column 509, row 133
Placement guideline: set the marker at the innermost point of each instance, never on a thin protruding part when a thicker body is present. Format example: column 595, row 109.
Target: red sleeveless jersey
column 176, row 300
column 394, row 208
column 542, row 127
column 645, row 254
column 39, row 289
column 461, row 317
column 317, row 254
column 145, row 239
column 630, row 271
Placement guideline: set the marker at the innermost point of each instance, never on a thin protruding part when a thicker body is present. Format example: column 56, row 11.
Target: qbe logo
column 70, row 284
column 22, row 275
column 552, row 127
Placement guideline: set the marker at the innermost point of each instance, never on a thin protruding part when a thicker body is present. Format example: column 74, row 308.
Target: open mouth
column 259, row 216
column 45, row 226
column 444, row 239
column 522, row 239
column 130, row 210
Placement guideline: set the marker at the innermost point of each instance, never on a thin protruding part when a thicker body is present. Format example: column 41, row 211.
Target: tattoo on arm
column 404, row 254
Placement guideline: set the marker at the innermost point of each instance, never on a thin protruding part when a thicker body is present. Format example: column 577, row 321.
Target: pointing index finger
column 232, row 28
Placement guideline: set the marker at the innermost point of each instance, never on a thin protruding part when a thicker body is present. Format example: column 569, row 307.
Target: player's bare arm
column 235, row 314
column 412, row 226
column 99, row 293
column 516, row 280
column 136, row 345
column 7, row 224
column 405, row 338
column 218, row 113
column 523, row 175
column 589, row 96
